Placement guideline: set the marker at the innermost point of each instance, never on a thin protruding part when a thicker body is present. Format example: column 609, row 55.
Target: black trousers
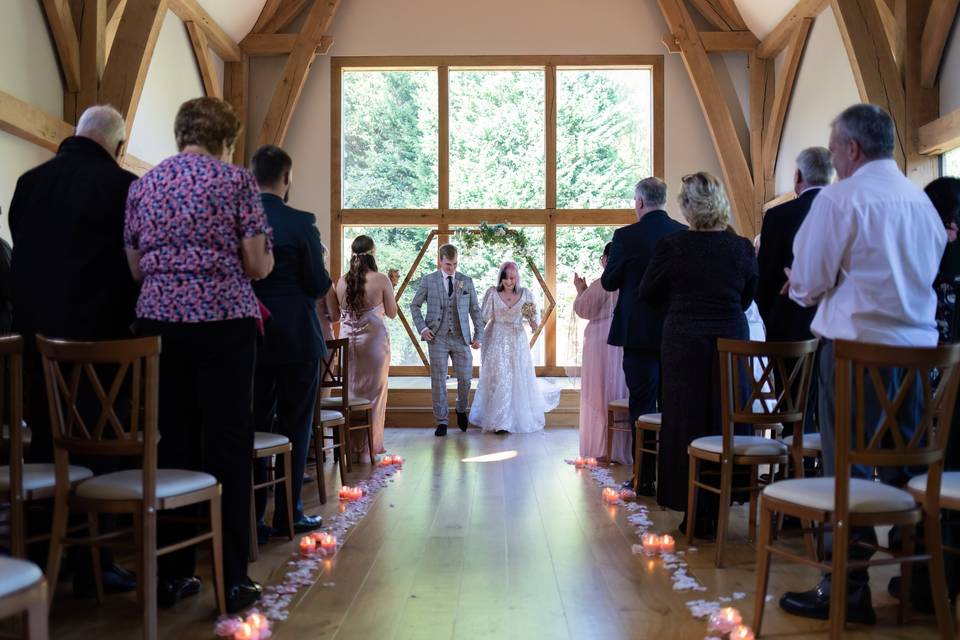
column 206, row 424
column 289, row 392
column 641, row 370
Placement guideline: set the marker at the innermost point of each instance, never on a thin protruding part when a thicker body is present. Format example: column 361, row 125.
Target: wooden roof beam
column 722, row 14
column 220, row 41
column 201, row 51
column 941, row 135
column 64, row 30
column 718, row 41
column 936, row 30
column 778, row 39
column 114, row 13
column 277, row 44
column 278, row 14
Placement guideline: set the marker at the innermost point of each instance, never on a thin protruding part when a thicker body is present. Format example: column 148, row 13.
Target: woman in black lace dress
column 706, row 279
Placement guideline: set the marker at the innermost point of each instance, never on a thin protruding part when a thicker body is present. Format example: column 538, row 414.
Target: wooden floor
column 520, row 548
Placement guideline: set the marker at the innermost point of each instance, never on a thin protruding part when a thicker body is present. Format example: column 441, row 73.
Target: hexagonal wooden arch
column 547, row 311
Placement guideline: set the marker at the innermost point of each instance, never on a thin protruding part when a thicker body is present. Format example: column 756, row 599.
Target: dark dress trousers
column 637, row 326
column 287, row 373
column 69, row 270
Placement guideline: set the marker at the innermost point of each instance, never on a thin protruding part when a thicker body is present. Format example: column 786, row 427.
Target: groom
column 450, row 299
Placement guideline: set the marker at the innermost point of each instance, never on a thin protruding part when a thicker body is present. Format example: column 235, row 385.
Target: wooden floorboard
column 518, row 548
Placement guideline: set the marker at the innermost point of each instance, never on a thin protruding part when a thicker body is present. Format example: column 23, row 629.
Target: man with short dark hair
column 288, row 362
column 636, row 326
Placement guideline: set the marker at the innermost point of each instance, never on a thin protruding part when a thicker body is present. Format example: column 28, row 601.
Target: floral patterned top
column 187, row 217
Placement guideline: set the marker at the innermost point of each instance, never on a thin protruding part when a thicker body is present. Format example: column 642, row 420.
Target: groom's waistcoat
column 450, row 315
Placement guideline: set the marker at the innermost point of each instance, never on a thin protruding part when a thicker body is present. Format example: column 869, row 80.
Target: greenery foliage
column 495, row 236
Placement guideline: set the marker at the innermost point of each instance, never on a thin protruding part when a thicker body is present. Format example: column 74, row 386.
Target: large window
column 951, row 163
column 552, row 145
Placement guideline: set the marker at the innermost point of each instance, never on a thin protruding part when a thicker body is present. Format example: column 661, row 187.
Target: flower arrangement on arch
column 498, row 235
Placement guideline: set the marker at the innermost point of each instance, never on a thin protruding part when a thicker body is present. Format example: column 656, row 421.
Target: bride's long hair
column 361, row 262
column 503, row 273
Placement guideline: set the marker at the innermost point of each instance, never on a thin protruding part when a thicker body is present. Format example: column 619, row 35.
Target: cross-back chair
column 323, row 419
column 23, row 589
column 891, row 442
column 122, row 376
column 748, row 398
column 356, row 411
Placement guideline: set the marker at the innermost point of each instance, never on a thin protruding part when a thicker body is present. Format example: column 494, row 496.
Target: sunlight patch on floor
column 492, row 457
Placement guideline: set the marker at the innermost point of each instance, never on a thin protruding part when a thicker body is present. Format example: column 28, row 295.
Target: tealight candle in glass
column 579, row 462
column 258, row 624
column 611, row 495
column 651, row 544
column 725, row 620
column 244, row 632
column 327, row 542
column 667, row 544
column 741, row 632
column 308, row 546
column 591, row 462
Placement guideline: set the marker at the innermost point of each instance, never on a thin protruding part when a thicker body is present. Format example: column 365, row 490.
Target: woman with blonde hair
column 361, row 299
column 705, row 278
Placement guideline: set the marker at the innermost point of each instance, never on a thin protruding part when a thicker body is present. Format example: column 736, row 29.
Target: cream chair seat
column 41, row 477
column 949, row 488
column 23, row 588
column 866, row 496
column 650, row 418
column 353, row 402
column 621, row 404
column 811, row 441
column 330, row 417
column 128, row 485
column 742, row 445
column 267, row 440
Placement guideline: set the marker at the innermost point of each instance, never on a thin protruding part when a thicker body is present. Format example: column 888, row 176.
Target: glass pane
column 604, row 136
column 390, row 139
column 951, row 163
column 397, row 248
column 497, row 157
column 483, row 262
column 579, row 250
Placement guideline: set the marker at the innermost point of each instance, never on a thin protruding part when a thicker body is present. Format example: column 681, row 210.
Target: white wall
column 436, row 27
column 950, row 73
column 825, row 86
column 30, row 72
column 172, row 78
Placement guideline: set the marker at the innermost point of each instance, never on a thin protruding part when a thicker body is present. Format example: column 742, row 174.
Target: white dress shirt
column 452, row 279
column 868, row 253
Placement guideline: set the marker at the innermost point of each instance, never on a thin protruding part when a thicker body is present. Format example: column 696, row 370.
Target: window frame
column 444, row 217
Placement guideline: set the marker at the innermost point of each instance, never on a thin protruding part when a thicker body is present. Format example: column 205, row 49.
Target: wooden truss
column 895, row 49
column 415, row 339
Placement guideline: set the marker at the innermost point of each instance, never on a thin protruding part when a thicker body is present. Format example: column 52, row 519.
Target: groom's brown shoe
column 441, row 430
column 462, row 420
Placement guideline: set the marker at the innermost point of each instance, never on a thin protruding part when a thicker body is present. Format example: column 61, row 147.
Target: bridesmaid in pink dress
column 361, row 299
column 601, row 371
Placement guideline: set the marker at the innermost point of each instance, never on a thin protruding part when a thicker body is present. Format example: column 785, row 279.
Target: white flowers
column 501, row 231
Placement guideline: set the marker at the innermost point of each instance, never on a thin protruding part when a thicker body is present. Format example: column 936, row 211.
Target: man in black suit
column 784, row 319
column 288, row 362
column 636, row 326
column 70, row 274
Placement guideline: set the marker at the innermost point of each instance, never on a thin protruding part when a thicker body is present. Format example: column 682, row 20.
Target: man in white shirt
column 867, row 254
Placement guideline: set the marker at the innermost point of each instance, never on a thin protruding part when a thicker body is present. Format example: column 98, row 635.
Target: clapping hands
column 579, row 282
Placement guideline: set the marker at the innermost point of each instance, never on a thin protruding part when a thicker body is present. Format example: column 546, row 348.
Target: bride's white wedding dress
column 509, row 396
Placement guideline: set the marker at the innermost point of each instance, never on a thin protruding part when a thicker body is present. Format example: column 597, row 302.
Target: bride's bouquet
column 529, row 311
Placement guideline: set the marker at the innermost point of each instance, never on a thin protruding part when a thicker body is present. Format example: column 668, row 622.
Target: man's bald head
column 104, row 125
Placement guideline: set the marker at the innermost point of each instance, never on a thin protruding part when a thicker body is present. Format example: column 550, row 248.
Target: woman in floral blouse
column 196, row 236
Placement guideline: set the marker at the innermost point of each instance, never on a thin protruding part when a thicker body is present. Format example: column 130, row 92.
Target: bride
column 509, row 397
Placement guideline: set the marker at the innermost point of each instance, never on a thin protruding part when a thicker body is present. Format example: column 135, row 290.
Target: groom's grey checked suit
column 449, row 310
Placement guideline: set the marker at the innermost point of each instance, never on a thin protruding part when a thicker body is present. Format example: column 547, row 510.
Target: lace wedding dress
column 509, row 396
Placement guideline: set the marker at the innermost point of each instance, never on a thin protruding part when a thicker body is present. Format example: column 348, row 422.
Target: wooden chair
column 267, row 445
column 322, row 419
column 844, row 502
column 21, row 485
column 24, row 590
column 357, row 412
column 646, row 422
column 73, row 368
column 615, row 407
column 949, row 499
column 794, row 362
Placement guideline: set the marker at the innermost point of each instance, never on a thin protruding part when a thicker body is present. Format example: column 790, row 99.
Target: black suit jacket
column 69, row 270
column 635, row 325
column 291, row 290
column 784, row 319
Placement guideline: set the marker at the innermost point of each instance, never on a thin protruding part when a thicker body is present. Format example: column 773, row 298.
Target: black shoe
column 501, row 432
column 441, row 430
column 172, row 590
column 116, row 579
column 307, row 523
column 815, row 603
column 240, row 596
column 462, row 421
column 265, row 532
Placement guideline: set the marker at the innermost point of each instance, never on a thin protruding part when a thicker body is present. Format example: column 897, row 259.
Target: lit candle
column 651, row 544
column 386, row 461
column 357, row 493
column 344, row 492
column 726, row 620
column 667, row 544
column 611, row 495
column 398, row 460
column 741, row 632
column 579, row 462
column 591, row 462
column 308, row 546
column 259, row 625
column 244, row 632
column 327, row 542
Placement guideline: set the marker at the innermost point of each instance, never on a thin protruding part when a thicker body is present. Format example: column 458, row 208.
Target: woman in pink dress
column 601, row 371
column 361, row 299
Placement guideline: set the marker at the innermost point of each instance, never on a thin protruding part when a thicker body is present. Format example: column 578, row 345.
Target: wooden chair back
column 862, row 367
column 11, row 440
column 72, row 371
column 746, row 398
column 335, row 371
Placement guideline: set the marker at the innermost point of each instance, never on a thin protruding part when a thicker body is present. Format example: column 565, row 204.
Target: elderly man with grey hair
column 636, row 326
column 70, row 273
column 866, row 256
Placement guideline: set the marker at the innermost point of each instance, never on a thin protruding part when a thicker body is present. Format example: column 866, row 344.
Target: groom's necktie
column 449, row 285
